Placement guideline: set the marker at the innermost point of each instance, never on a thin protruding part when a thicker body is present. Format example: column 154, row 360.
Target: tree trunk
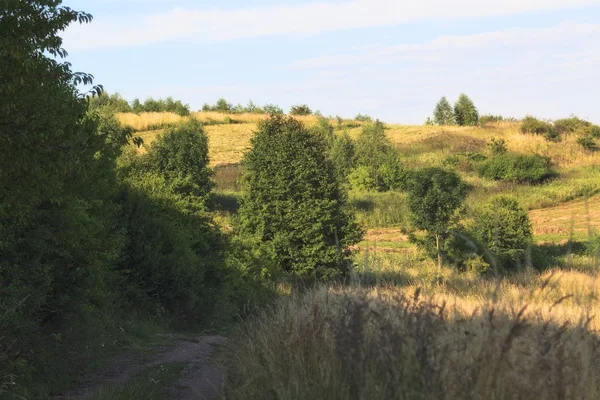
column 439, row 253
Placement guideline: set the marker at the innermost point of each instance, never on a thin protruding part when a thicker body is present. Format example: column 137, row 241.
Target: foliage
column 533, row 125
column 160, row 105
column 111, row 102
column 504, row 230
column 465, row 112
column 515, row 167
column 58, row 239
column 181, row 156
column 570, row 125
column 491, row 119
column 301, row 109
column 342, row 155
column 294, row 206
column 497, row 146
column 376, row 155
column 272, row 109
column 588, row 142
column 435, row 196
column 443, row 113
column 363, row 118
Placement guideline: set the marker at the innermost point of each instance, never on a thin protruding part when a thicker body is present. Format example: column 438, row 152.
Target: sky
column 390, row 59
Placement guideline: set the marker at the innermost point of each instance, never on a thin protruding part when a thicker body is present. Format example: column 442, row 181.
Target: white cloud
column 214, row 24
column 583, row 36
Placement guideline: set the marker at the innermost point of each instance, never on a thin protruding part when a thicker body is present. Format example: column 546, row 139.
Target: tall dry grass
column 402, row 330
column 340, row 343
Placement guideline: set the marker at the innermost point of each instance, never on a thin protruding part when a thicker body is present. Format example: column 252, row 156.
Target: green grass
column 378, row 210
column 152, row 384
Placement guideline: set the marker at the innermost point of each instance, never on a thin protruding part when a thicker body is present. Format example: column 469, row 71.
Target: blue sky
column 390, row 59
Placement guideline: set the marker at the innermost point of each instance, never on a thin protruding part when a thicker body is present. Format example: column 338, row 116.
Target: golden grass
column 576, row 217
column 427, row 336
column 148, row 121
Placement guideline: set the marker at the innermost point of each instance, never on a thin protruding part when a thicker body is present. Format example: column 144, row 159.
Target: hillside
column 578, row 170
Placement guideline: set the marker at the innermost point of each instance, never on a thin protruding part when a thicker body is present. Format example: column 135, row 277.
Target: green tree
column 343, row 155
column 181, row 155
column 375, row 153
column 294, row 205
column 434, row 197
column 504, row 229
column 302, row 109
column 443, row 114
column 465, row 112
column 58, row 241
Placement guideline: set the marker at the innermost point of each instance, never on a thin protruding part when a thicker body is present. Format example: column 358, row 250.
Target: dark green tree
column 504, row 229
column 181, row 155
column 465, row 112
column 294, row 205
column 443, row 113
column 343, row 155
column 58, row 241
column 434, row 198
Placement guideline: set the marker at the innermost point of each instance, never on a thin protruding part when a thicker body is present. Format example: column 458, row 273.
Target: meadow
column 400, row 328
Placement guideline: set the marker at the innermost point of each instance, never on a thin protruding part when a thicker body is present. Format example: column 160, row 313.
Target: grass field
column 401, row 330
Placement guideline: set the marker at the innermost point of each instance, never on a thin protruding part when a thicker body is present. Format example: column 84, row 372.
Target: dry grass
column 573, row 218
column 529, row 336
column 152, row 121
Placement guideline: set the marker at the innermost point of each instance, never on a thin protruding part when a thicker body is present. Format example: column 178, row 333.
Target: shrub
column 497, row 146
column 273, row 109
column 504, row 230
column 465, row 112
column 302, row 109
column 588, row 142
column 375, row 152
column 443, row 114
column 490, row 119
column 294, row 206
column 570, row 125
column 517, row 168
column 113, row 103
column 535, row 126
column 343, row 155
column 361, row 178
column 363, row 118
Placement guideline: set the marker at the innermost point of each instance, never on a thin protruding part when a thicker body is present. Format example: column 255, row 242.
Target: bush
column 517, row 168
column 295, row 208
column 490, row 119
column 504, row 230
column 570, row 125
column 465, row 112
column 363, row 118
column 302, row 109
column 587, row 142
column 342, row 154
column 497, row 146
column 375, row 152
column 535, row 126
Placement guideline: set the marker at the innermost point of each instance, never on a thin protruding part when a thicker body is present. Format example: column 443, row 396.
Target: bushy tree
column 181, row 155
column 443, row 113
column 375, row 153
column 504, row 229
column 113, row 103
column 301, row 109
column 58, row 242
column 343, row 155
column 434, row 198
column 465, row 112
column 294, row 206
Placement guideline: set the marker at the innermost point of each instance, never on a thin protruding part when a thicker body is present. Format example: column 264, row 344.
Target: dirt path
column 201, row 379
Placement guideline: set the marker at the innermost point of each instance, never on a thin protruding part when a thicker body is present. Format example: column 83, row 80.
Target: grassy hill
column 564, row 215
